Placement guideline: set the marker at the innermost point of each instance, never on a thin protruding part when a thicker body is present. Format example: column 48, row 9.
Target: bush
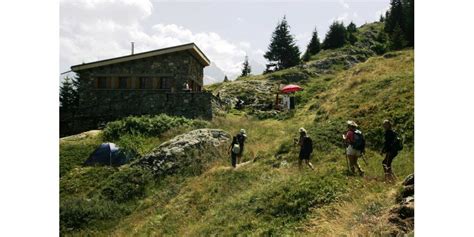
column 147, row 125
column 379, row 48
column 77, row 213
column 126, row 185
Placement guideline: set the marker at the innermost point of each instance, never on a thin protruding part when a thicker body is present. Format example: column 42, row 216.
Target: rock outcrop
column 403, row 214
column 256, row 94
column 187, row 153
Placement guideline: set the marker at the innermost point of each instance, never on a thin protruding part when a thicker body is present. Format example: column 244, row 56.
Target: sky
column 226, row 31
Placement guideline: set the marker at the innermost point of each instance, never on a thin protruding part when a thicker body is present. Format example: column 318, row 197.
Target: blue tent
column 107, row 154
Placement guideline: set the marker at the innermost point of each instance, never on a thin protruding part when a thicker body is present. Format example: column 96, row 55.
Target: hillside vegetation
column 267, row 195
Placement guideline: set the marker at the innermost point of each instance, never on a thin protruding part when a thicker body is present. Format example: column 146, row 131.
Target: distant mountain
column 213, row 74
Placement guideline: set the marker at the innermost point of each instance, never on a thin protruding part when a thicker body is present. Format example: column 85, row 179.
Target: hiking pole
column 345, row 153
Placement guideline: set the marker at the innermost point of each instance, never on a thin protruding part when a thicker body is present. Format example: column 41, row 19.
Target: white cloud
column 244, row 44
column 341, row 18
column 344, row 4
column 381, row 12
column 259, row 52
column 98, row 29
column 240, row 20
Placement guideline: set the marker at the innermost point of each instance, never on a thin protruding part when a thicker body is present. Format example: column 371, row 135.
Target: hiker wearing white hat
column 241, row 137
column 355, row 146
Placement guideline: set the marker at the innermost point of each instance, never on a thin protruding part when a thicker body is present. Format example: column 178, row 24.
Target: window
column 146, row 83
column 123, row 82
column 164, row 83
column 101, row 83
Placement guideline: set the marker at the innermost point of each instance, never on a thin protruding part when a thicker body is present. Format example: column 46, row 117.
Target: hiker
column 239, row 104
column 355, row 146
column 306, row 148
column 241, row 137
column 392, row 146
column 234, row 151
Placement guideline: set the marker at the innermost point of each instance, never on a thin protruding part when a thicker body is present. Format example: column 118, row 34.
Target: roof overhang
column 191, row 47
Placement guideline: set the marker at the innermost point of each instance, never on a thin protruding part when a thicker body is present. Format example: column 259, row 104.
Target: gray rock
column 409, row 180
column 256, row 94
column 188, row 152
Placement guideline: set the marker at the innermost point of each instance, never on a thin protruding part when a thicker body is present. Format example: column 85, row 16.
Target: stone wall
column 118, row 104
column 98, row 106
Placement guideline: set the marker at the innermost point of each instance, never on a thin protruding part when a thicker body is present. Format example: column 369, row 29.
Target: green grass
column 269, row 195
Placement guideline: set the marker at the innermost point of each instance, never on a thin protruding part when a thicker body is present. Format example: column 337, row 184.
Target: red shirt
column 350, row 137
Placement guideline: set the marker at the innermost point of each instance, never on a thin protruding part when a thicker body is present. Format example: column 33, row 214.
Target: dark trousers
column 233, row 158
column 387, row 162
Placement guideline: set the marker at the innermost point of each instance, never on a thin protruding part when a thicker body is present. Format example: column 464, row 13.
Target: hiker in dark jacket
column 234, row 151
column 389, row 149
column 306, row 148
column 241, row 137
column 352, row 153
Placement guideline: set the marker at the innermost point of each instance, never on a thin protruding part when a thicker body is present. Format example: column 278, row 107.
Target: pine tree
column 395, row 16
column 351, row 30
column 382, row 18
column 283, row 49
column 226, row 79
column 68, row 95
column 381, row 37
column 397, row 39
column 247, row 69
column 409, row 29
column 335, row 37
column 314, row 46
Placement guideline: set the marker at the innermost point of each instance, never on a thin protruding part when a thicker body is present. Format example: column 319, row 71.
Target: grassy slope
column 270, row 195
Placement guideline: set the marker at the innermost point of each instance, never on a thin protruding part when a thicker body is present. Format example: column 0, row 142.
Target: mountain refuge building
column 167, row 80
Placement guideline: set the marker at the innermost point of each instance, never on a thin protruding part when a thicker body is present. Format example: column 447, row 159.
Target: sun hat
column 352, row 123
column 242, row 131
column 302, row 130
column 386, row 121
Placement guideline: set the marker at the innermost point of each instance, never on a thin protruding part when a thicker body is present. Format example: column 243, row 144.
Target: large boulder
column 187, row 153
column 256, row 94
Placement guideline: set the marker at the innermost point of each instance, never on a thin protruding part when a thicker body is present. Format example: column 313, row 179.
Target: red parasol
column 291, row 88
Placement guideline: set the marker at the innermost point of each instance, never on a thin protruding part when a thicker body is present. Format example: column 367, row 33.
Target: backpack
column 359, row 141
column 398, row 144
column 236, row 149
column 308, row 144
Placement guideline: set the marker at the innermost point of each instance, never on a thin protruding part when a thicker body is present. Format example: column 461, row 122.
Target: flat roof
column 191, row 47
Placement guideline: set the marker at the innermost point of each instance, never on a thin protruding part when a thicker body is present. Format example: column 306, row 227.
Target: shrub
column 147, row 125
column 77, row 213
column 379, row 48
column 126, row 185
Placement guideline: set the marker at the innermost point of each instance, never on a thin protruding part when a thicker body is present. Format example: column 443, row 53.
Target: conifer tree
column 351, row 30
column 68, row 96
column 226, row 79
column 314, row 46
column 283, row 49
column 409, row 13
column 246, row 70
column 335, row 37
column 395, row 16
column 397, row 39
